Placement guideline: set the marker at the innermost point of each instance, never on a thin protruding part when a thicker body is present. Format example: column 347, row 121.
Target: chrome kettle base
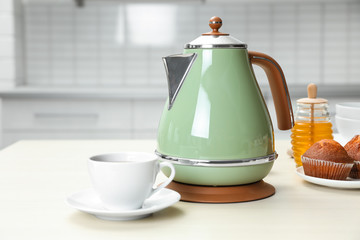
column 219, row 173
column 218, row 163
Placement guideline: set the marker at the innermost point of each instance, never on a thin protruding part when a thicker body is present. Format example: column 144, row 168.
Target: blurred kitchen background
column 92, row 69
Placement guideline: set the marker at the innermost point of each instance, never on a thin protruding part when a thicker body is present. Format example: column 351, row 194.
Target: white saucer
column 88, row 201
column 349, row 183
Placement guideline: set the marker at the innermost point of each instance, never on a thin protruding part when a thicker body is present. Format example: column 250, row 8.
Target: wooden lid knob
column 312, row 94
column 312, row 90
column 215, row 24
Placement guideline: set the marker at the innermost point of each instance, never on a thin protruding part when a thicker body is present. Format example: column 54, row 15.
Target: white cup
column 123, row 181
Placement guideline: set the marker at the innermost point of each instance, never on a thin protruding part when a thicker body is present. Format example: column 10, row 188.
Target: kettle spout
column 177, row 67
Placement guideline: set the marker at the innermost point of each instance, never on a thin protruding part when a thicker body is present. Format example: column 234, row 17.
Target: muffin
column 327, row 159
column 353, row 150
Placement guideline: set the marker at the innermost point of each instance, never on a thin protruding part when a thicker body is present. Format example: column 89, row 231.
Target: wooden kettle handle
column 278, row 86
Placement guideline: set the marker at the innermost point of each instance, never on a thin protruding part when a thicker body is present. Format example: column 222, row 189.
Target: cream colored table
column 37, row 176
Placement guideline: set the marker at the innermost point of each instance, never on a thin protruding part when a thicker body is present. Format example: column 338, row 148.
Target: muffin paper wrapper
column 325, row 169
column 355, row 170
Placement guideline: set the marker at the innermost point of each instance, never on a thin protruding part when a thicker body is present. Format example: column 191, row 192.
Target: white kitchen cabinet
column 147, row 114
column 79, row 118
column 22, row 114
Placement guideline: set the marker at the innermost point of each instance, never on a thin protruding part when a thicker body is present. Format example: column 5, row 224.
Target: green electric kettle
column 215, row 127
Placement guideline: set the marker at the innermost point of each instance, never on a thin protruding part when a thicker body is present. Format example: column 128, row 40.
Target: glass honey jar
column 312, row 123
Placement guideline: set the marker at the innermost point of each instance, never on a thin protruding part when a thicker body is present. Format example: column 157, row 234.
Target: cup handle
column 170, row 178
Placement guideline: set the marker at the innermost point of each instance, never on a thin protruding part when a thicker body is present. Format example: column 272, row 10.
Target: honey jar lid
column 312, row 93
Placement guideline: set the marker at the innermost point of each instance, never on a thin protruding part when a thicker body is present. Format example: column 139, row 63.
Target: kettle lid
column 215, row 39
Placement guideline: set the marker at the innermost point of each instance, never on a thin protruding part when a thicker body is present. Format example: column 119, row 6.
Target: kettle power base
column 223, row 194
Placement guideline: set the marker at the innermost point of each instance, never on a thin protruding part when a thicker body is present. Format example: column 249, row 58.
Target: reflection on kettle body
column 207, row 61
column 201, row 123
